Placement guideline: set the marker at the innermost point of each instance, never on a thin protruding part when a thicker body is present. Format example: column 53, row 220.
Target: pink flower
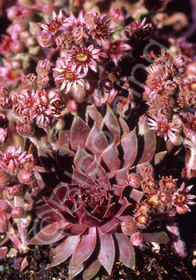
column 82, row 58
column 13, row 159
column 116, row 48
column 67, row 75
column 118, row 14
column 181, row 199
column 53, row 25
column 100, row 27
column 162, row 127
column 71, row 22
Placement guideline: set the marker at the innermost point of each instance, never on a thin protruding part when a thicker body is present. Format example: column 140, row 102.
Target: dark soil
column 165, row 265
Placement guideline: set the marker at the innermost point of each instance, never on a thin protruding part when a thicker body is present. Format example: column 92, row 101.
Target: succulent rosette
column 92, row 217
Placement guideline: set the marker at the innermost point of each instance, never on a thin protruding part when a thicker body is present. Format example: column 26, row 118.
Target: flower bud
column 134, row 180
column 14, row 190
column 128, row 226
column 17, row 212
column 137, row 239
column 25, row 176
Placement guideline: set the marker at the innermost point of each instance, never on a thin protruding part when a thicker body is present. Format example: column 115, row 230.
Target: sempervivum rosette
column 92, row 214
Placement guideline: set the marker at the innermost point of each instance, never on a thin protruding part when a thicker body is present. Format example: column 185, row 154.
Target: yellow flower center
column 82, row 57
column 69, row 74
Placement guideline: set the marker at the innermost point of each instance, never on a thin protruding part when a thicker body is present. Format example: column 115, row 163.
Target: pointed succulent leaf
column 81, row 179
column 149, row 146
column 89, row 220
column 126, row 251
column 159, row 237
column 82, row 159
column 109, row 226
column 92, row 270
column 112, row 124
column 107, row 251
column 121, row 176
column 129, row 146
column 96, row 141
column 63, row 251
column 110, row 157
column 136, row 195
column 95, row 170
column 82, row 252
column 104, row 182
column 159, row 157
column 124, row 126
column 78, row 133
column 91, row 112
column 63, row 138
column 49, row 215
column 48, row 235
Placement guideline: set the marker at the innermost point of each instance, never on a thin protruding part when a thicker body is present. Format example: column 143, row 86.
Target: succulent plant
column 92, row 217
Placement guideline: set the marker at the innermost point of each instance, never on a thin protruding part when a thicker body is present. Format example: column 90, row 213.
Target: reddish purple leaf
column 63, row 138
column 48, row 235
column 129, row 146
column 82, row 159
column 159, row 237
column 82, row 252
column 3, row 252
column 104, row 183
column 136, row 195
column 121, row 176
column 95, row 170
column 126, row 251
column 63, row 251
column 91, row 112
column 124, row 126
column 109, row 226
column 112, row 124
column 78, row 133
column 149, row 146
column 92, row 270
column 96, row 141
column 107, row 251
column 110, row 157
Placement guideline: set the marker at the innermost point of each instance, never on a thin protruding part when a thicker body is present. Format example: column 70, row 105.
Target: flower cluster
column 99, row 101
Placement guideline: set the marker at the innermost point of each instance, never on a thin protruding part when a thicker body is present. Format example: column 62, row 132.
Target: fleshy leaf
column 112, row 124
column 82, row 159
column 48, row 235
column 126, row 251
column 96, row 141
column 159, row 157
column 92, row 270
column 149, row 146
column 124, row 126
column 95, row 170
column 63, row 138
column 82, row 252
column 110, row 157
column 107, row 251
column 121, row 176
column 129, row 146
column 91, row 112
column 63, row 251
column 79, row 133
column 136, row 195
column 159, row 237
